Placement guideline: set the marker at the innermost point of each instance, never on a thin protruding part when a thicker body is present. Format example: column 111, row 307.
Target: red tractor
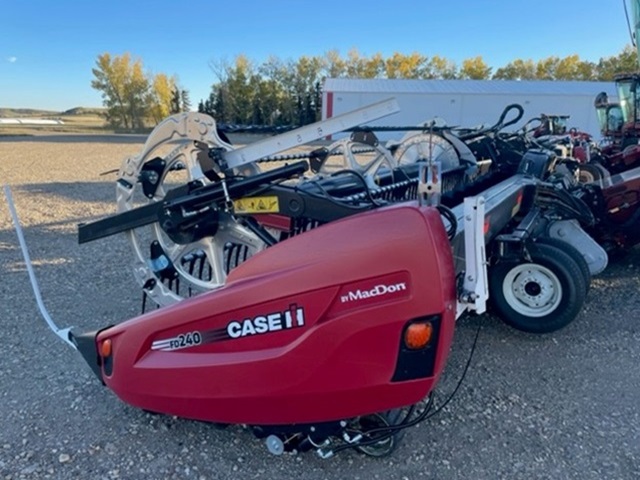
column 620, row 125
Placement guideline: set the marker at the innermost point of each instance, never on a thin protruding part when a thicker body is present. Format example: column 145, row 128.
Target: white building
column 467, row 103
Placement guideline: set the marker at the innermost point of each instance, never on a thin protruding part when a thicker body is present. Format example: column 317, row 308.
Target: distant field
column 76, row 120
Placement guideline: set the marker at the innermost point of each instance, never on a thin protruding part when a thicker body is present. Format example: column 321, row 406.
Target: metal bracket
column 430, row 184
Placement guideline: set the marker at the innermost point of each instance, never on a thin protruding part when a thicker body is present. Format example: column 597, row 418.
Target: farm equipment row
column 321, row 309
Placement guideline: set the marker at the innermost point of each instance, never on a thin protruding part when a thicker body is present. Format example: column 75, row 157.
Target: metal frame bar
column 309, row 133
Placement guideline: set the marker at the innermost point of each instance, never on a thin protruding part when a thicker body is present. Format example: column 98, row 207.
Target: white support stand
column 475, row 290
column 63, row 333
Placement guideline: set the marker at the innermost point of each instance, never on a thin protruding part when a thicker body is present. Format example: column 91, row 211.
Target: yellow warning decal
column 249, row 205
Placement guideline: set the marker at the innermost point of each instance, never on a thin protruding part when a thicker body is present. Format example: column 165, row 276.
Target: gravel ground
column 559, row 406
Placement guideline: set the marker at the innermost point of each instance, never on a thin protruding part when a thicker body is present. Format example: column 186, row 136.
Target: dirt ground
column 557, row 406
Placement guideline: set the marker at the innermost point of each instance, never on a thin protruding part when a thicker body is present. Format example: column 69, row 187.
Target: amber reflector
column 105, row 348
column 418, row 335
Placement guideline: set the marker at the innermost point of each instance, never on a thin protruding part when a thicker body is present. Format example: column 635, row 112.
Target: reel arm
column 184, row 198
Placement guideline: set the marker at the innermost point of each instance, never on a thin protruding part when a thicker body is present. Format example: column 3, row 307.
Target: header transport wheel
column 574, row 253
column 541, row 294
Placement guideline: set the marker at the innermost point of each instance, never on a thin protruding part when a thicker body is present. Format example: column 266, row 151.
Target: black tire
column 389, row 442
column 574, row 253
column 590, row 172
column 538, row 296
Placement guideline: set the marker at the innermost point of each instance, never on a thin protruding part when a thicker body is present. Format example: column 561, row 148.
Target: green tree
column 625, row 62
column 546, row 68
column 185, row 100
column 361, row 66
column 517, row 70
column 440, row 67
column 234, row 91
column 175, row 105
column 308, row 73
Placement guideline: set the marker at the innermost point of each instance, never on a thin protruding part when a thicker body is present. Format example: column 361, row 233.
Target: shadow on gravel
column 78, row 191
column 87, row 276
column 78, row 138
column 622, row 265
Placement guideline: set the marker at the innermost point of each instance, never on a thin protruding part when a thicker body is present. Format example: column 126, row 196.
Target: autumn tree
column 405, row 66
column 161, row 98
column 361, row 66
column 475, row 69
column 124, row 88
column 335, row 65
column 573, row 68
column 132, row 97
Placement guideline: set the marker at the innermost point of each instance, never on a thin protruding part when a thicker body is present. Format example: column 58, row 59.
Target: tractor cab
column 627, row 87
column 610, row 118
column 551, row 125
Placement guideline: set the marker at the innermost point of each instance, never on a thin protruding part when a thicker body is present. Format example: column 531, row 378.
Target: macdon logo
column 271, row 322
column 376, row 291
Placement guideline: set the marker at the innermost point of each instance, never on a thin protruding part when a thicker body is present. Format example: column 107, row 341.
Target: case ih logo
column 376, row 291
column 271, row 322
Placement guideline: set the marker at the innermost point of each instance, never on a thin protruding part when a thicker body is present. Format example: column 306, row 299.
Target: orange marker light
column 418, row 335
column 105, row 348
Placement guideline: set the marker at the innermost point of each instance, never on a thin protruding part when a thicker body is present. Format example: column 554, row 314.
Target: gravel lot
column 559, row 406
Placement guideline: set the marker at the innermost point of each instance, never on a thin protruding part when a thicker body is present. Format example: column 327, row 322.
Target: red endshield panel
column 308, row 330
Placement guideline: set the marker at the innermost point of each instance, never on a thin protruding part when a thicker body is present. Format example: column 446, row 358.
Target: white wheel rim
column 532, row 290
column 586, row 177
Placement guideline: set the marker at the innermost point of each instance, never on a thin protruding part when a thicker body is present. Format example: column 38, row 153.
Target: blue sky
column 48, row 48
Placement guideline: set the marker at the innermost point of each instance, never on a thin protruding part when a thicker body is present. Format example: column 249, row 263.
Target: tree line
column 289, row 92
column 279, row 92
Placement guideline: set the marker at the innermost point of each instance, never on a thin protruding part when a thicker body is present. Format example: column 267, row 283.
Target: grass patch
column 76, row 120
